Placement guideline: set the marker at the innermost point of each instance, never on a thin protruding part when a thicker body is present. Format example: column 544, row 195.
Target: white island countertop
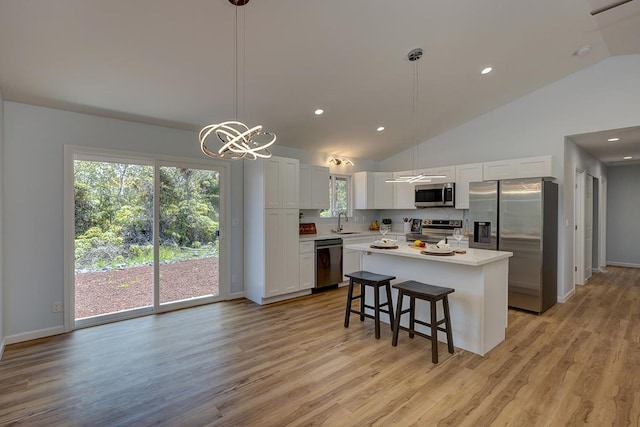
column 473, row 257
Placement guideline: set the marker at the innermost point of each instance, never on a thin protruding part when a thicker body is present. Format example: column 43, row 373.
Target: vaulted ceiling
column 171, row 62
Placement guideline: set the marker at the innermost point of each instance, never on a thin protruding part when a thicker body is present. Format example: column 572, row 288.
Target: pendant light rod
column 236, row 139
column 413, row 56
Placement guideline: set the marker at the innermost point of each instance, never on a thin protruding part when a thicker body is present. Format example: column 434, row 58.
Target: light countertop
column 473, row 257
column 375, row 235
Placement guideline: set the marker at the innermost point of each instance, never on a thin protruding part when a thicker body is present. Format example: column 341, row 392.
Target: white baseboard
column 279, row 298
column 235, row 295
column 34, row 335
column 564, row 298
column 1, row 348
column 623, row 264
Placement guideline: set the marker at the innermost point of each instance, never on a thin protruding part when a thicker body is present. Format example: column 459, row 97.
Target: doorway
column 587, row 226
column 146, row 237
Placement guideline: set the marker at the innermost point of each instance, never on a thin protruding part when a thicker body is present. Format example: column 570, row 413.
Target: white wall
column 2, row 333
column 602, row 96
column 623, row 199
column 33, row 205
column 33, row 164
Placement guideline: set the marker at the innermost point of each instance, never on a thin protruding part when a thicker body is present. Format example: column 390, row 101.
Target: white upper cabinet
column 314, row 187
column 371, row 191
column 281, row 182
column 530, row 167
column 464, row 175
column 404, row 193
column 449, row 173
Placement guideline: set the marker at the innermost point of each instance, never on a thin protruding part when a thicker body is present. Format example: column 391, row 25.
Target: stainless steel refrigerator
column 520, row 216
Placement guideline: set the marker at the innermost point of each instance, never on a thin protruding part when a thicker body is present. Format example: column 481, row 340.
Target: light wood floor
column 294, row 363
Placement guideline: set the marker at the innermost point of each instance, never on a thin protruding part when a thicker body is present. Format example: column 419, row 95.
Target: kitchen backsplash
column 361, row 219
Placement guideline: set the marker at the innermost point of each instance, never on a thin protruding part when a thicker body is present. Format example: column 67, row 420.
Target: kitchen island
column 480, row 278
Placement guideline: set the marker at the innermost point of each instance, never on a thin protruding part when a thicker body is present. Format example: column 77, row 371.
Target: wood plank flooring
column 293, row 363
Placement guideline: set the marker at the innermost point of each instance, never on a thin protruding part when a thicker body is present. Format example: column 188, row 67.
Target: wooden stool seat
column 366, row 278
column 430, row 293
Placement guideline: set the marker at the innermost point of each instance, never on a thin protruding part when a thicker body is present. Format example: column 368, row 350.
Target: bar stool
column 430, row 293
column 365, row 278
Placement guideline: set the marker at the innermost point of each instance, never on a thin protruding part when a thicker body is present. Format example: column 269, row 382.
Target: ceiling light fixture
column 486, row 70
column 613, row 139
column 319, row 111
column 339, row 161
column 627, row 158
column 584, row 50
column 380, row 129
column 237, row 140
column 413, row 56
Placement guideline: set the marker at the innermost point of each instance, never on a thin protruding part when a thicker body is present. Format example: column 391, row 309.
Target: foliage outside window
column 339, row 196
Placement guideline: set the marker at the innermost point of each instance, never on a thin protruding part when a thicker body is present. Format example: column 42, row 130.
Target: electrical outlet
column 57, row 307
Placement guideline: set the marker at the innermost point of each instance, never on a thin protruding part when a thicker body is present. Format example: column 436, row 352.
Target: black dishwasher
column 328, row 262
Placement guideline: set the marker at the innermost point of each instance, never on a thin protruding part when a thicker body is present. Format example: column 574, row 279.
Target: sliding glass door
column 189, row 219
column 135, row 253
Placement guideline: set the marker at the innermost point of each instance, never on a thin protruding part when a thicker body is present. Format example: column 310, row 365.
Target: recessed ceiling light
column 613, row 139
column 380, row 129
column 627, row 157
column 319, row 111
column 486, row 70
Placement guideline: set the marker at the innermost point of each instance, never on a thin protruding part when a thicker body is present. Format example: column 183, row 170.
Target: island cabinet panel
column 464, row 175
column 372, row 191
column 480, row 278
column 351, row 257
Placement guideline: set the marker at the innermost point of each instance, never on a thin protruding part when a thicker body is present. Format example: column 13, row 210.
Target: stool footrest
column 421, row 334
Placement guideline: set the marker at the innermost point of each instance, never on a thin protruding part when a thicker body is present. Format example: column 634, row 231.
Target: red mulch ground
column 117, row 290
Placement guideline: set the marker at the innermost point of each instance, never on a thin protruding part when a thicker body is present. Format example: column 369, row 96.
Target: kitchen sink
column 345, row 232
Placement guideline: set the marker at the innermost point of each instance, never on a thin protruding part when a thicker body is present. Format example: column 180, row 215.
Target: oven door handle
column 328, row 247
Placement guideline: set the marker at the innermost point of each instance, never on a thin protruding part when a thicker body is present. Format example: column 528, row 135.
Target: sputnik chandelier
column 237, row 140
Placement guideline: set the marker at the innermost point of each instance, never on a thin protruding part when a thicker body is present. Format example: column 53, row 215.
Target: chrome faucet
column 346, row 219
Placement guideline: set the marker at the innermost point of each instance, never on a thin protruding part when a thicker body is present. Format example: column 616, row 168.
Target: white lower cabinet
column 307, row 265
column 281, row 252
column 272, row 266
column 351, row 260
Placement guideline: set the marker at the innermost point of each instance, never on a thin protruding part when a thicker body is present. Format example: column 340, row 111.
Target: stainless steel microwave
column 435, row 195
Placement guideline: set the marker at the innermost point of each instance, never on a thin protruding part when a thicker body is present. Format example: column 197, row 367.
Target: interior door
column 588, row 227
column 578, row 233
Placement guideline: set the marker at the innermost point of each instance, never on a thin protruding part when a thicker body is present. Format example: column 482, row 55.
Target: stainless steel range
column 434, row 230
